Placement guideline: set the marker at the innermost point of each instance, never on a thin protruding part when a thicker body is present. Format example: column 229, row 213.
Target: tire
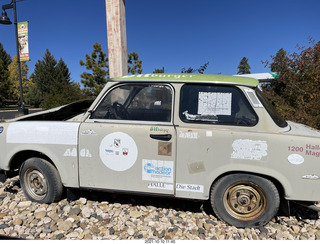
column 40, row 181
column 244, row 200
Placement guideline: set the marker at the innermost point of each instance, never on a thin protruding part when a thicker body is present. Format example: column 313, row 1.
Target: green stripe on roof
column 189, row 77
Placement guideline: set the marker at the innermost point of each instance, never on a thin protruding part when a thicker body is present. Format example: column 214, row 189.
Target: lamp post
column 6, row 21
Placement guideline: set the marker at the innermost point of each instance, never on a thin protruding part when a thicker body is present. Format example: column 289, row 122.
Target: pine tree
column 52, row 84
column 4, row 82
column 279, row 61
column 4, row 56
column 158, row 71
column 244, row 67
column 97, row 62
column 5, row 60
column 134, row 64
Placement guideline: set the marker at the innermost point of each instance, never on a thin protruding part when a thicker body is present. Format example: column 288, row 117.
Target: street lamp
column 4, row 19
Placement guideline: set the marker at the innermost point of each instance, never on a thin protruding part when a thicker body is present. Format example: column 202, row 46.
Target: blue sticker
column 1, row 129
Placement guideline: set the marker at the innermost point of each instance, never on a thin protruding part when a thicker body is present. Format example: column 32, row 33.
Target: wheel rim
column 245, row 201
column 36, row 184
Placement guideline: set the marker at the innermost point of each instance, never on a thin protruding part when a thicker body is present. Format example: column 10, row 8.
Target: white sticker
column 310, row 177
column 214, row 103
column 88, row 132
column 70, row 152
column 157, row 170
column 160, row 186
column 208, row 133
column 118, row 151
column 57, row 133
column 85, row 153
column 249, row 149
column 295, row 159
column 189, row 187
column 188, row 135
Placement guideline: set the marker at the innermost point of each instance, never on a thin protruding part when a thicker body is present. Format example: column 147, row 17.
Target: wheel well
column 17, row 160
column 273, row 180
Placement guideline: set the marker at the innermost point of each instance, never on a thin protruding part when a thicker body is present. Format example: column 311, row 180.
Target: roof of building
column 183, row 77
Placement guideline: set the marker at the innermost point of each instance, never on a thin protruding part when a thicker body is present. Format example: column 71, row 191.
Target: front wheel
column 244, row 200
column 40, row 181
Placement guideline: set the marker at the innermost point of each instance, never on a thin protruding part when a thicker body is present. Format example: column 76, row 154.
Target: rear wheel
column 40, row 181
column 244, row 200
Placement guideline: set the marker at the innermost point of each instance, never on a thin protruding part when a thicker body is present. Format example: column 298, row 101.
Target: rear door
column 128, row 143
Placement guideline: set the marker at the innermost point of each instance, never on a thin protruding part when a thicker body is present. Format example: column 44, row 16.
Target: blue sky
column 169, row 33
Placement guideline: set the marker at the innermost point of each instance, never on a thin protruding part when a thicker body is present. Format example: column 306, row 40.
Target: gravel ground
column 104, row 216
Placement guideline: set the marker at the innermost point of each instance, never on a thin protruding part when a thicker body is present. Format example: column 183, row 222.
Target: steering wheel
column 120, row 111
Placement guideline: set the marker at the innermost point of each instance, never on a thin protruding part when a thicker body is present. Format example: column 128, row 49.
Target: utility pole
column 117, row 38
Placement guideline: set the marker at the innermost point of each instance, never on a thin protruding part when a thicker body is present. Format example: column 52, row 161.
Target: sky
column 169, row 33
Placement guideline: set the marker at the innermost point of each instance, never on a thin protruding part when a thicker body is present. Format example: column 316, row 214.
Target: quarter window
column 216, row 104
column 143, row 102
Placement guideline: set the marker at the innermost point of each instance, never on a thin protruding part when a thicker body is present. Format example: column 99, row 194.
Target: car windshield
column 271, row 110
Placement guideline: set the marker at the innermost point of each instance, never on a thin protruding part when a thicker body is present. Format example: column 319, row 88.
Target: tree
column 44, row 74
column 97, row 62
column 51, row 84
column 134, row 64
column 299, row 79
column 4, row 56
column 200, row 70
column 244, row 67
column 158, row 71
column 5, row 60
column 4, row 82
column 14, row 91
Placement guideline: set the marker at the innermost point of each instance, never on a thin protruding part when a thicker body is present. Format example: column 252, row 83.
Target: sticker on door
column 118, row 151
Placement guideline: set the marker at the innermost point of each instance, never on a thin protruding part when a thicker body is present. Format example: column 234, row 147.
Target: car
column 202, row 137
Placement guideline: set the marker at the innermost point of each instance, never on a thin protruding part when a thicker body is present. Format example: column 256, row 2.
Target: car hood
column 302, row 130
column 61, row 113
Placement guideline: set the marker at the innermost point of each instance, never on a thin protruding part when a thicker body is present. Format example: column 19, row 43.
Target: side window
column 144, row 102
column 216, row 104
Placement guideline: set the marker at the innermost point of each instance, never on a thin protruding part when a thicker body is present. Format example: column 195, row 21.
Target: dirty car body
column 202, row 137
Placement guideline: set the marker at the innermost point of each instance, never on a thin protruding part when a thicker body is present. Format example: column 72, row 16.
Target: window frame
column 130, row 121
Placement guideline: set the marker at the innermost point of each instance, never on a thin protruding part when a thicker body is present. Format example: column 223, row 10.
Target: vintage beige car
column 192, row 136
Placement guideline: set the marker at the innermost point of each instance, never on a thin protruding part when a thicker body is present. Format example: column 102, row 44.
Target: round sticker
column 295, row 159
column 118, row 151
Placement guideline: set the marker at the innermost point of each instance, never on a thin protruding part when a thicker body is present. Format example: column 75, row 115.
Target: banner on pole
column 23, row 41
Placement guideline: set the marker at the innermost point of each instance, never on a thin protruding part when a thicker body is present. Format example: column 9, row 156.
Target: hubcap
column 36, row 184
column 245, row 201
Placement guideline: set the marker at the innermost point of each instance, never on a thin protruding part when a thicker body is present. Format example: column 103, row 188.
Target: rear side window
column 215, row 104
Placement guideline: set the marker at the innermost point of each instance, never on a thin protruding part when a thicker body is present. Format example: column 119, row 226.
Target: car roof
column 190, row 78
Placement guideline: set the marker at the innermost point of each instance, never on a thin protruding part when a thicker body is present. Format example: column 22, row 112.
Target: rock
column 3, row 226
column 135, row 214
column 65, row 225
column 82, row 200
column 130, row 231
column 317, row 235
column 74, row 211
column 3, row 215
column 17, row 221
column 12, row 205
column 86, row 212
column 24, row 204
column 295, row 228
column 40, row 213
column 73, row 235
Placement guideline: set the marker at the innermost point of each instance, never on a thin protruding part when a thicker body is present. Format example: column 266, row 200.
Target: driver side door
column 128, row 143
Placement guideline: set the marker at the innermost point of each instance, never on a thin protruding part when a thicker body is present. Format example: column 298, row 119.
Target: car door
column 128, row 142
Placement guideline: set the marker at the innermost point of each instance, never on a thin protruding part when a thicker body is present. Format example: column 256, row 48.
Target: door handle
column 162, row 137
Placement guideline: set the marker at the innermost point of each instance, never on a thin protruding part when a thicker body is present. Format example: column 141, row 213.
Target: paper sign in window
column 214, row 103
